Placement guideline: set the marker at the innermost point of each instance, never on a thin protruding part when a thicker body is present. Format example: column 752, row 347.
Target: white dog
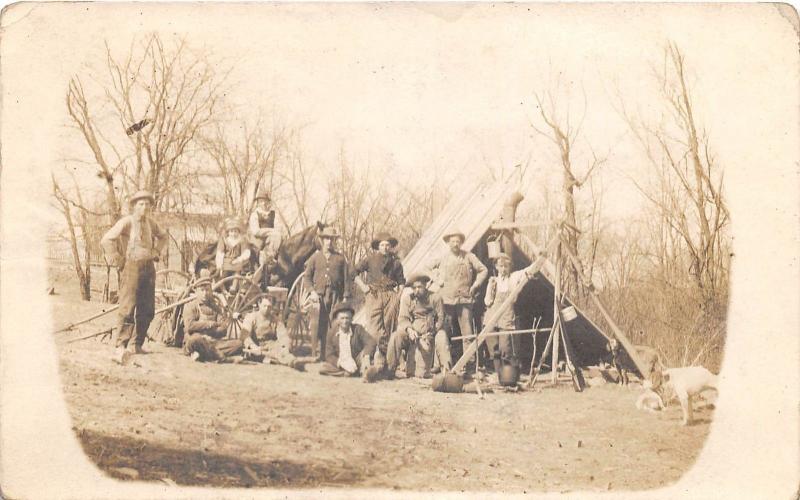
column 686, row 382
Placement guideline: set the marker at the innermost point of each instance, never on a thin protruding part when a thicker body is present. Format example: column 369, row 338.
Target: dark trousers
column 137, row 300
column 213, row 350
column 502, row 348
column 320, row 320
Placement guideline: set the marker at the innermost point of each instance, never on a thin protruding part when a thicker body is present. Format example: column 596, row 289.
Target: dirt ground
column 165, row 418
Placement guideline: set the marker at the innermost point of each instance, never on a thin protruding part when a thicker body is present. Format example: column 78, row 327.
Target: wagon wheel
column 297, row 314
column 237, row 294
column 171, row 286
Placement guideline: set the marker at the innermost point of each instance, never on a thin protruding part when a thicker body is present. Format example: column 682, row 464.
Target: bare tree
column 245, row 164
column 557, row 126
column 162, row 98
column 83, row 268
column 688, row 188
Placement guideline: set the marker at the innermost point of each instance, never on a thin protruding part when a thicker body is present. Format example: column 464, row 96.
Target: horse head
column 295, row 251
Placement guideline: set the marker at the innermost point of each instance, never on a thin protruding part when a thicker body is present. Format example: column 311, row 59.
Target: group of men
column 420, row 336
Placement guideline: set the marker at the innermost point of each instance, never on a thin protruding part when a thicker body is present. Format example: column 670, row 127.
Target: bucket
column 569, row 313
column 508, row 376
column 494, row 248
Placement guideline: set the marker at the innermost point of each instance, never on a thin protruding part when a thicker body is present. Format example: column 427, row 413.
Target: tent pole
column 556, row 309
column 627, row 344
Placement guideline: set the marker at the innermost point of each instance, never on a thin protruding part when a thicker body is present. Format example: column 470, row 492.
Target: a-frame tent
column 478, row 211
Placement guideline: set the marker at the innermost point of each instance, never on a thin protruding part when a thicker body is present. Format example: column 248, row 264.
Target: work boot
column 138, row 349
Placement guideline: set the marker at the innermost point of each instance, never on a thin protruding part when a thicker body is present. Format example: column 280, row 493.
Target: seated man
column 263, row 231
column 420, row 330
column 349, row 347
column 233, row 252
column 264, row 328
column 205, row 329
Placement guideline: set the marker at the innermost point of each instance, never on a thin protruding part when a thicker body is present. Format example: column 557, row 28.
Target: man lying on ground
column 349, row 348
column 263, row 327
column 420, row 331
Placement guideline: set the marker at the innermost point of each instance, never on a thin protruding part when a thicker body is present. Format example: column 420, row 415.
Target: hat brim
column 202, row 282
column 137, row 198
column 418, row 277
column 447, row 237
column 376, row 243
column 340, row 310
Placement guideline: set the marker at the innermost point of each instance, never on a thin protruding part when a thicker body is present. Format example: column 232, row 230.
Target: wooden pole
column 495, row 315
column 532, row 381
column 556, row 314
column 627, row 344
column 73, row 325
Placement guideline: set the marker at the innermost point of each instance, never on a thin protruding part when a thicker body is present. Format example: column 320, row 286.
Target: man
column 326, row 275
column 205, row 328
column 134, row 244
column 233, row 250
column 264, row 327
column 264, row 234
column 349, row 347
column 503, row 348
column 384, row 273
column 420, row 328
column 461, row 275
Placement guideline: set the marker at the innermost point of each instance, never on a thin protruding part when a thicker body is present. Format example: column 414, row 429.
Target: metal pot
column 509, row 375
column 447, row 382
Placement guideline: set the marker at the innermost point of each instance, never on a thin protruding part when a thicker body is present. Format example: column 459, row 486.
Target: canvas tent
column 479, row 211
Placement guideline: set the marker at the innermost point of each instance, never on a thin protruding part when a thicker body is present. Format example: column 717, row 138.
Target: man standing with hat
column 327, row 276
column 263, row 231
column 420, row 330
column 384, row 273
column 134, row 244
column 461, row 275
column 503, row 348
column 350, row 347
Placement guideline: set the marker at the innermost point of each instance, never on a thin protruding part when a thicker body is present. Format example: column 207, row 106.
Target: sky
column 432, row 88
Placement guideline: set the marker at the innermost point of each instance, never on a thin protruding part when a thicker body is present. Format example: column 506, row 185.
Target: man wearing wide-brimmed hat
column 349, row 347
column 420, row 330
column 379, row 275
column 503, row 348
column 327, row 277
column 262, row 228
column 134, row 244
column 461, row 275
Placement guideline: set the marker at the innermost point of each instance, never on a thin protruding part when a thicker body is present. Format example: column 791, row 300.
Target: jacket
column 424, row 316
column 322, row 273
column 361, row 343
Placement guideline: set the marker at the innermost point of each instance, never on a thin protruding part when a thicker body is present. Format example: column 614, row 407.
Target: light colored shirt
column 138, row 239
column 346, row 360
column 457, row 274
